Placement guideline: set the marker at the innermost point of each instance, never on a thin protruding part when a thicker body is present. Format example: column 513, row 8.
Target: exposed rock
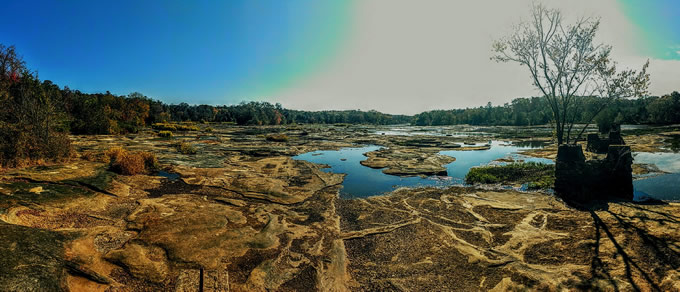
column 144, row 262
column 31, row 259
column 244, row 218
column 280, row 180
column 413, row 240
column 407, row 161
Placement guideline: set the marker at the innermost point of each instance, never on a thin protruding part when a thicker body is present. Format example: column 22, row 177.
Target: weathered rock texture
column 408, row 162
column 466, row 240
column 244, row 216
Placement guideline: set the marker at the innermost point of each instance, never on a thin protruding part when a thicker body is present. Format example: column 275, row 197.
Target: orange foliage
column 131, row 163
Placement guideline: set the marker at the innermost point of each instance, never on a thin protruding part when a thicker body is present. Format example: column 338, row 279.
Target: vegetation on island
column 535, row 175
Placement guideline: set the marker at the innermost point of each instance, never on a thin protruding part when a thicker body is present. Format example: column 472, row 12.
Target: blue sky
column 396, row 56
column 196, row 51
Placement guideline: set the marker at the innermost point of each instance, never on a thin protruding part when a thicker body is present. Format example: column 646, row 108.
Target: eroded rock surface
column 464, row 240
column 244, row 216
column 408, row 162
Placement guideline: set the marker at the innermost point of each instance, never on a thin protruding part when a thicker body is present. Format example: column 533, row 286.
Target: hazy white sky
column 408, row 56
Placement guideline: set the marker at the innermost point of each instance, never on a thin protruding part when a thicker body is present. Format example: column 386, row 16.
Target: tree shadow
column 646, row 257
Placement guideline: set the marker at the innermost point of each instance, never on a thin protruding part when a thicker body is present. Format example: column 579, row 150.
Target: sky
column 395, row 56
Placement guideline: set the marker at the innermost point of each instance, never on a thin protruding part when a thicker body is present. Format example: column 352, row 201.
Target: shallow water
column 662, row 187
column 451, row 131
column 468, row 159
column 362, row 181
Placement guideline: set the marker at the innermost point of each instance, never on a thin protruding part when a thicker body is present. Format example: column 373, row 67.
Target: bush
column 208, row 129
column 165, row 134
column 131, row 163
column 477, row 176
column 186, row 148
column 277, row 138
column 537, row 175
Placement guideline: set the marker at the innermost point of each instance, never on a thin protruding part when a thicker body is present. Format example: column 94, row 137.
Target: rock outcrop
column 407, row 162
column 244, row 216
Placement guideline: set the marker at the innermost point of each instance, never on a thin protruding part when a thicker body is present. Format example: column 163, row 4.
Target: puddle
column 169, row 175
column 362, row 181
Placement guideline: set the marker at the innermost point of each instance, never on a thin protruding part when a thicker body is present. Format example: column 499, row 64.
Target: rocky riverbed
column 242, row 215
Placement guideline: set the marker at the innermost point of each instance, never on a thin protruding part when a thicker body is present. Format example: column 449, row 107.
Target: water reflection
column 663, row 187
column 665, row 161
column 361, row 181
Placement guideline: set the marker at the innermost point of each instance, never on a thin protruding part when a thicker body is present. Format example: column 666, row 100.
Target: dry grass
column 130, row 163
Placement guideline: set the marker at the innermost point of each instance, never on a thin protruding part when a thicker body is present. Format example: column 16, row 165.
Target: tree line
column 663, row 110
column 37, row 116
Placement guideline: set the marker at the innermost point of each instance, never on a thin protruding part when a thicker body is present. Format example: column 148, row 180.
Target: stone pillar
column 615, row 138
column 570, row 169
column 619, row 167
column 593, row 143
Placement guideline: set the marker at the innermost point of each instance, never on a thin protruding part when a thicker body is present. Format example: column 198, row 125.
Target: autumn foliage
column 32, row 119
column 131, row 162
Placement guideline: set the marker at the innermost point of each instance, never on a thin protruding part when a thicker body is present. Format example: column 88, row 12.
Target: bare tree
column 565, row 64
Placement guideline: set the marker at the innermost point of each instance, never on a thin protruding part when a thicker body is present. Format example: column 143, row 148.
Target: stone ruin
column 578, row 180
column 601, row 145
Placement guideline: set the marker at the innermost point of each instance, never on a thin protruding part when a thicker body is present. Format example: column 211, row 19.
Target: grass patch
column 186, row 148
column 536, row 175
column 130, row 163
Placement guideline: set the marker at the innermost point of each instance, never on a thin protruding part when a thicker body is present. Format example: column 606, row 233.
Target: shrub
column 165, row 134
column 277, row 138
column 186, row 148
column 131, row 163
column 208, row 129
